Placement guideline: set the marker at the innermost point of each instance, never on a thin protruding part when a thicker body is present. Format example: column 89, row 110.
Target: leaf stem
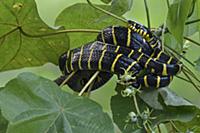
column 89, row 83
column 136, row 105
column 106, row 12
column 58, row 32
column 147, row 13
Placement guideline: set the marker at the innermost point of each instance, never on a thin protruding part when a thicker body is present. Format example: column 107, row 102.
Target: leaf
column 171, row 41
column 119, row 7
column 21, row 49
column 83, row 16
column 176, row 17
column 164, row 103
column 197, row 64
column 37, row 105
column 192, row 28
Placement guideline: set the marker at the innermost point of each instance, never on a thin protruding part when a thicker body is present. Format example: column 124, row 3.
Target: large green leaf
column 83, row 16
column 37, row 105
column 177, row 15
column 166, row 105
column 17, row 49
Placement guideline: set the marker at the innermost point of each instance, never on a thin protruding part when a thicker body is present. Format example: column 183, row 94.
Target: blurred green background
column 49, row 9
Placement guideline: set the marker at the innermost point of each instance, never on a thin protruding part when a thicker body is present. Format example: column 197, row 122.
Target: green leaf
column 171, row 41
column 177, row 15
column 37, row 105
column 197, row 64
column 20, row 49
column 164, row 103
column 83, row 16
column 192, row 28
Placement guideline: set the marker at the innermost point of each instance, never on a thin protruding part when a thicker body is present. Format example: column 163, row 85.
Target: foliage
column 34, row 104
column 37, row 105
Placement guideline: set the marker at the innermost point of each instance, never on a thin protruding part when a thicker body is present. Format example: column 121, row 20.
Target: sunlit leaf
column 20, row 49
column 37, row 105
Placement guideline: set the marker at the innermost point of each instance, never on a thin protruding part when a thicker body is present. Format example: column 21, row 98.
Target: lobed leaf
column 37, row 105
column 21, row 40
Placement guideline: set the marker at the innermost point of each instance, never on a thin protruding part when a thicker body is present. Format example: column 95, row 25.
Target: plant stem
column 186, row 38
column 147, row 14
column 192, row 21
column 58, row 32
column 136, row 105
column 89, row 83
